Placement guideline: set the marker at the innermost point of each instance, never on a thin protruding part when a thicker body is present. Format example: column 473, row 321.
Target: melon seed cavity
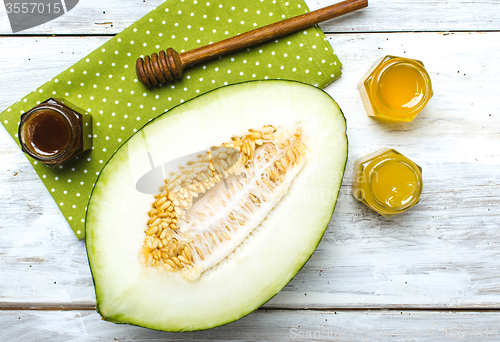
column 214, row 202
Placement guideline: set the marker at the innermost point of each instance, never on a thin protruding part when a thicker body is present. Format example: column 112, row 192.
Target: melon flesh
column 128, row 291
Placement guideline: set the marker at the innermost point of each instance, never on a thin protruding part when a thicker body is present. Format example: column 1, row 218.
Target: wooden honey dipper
column 168, row 65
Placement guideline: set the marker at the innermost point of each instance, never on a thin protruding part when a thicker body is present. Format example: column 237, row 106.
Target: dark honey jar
column 54, row 132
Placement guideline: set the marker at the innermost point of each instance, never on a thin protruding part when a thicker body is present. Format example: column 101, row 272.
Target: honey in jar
column 395, row 88
column 52, row 132
column 387, row 182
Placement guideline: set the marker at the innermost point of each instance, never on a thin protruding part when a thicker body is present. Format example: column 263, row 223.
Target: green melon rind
column 121, row 157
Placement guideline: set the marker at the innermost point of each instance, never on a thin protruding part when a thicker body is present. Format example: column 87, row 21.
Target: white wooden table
column 431, row 274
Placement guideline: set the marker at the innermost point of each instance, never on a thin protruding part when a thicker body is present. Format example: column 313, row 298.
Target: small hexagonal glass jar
column 395, row 88
column 387, row 182
column 55, row 131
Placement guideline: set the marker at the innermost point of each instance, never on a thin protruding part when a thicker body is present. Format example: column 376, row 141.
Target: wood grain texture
column 441, row 254
column 262, row 325
column 149, row 72
column 271, row 31
column 112, row 16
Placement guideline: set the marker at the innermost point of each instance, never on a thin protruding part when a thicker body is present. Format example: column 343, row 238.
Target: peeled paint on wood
column 433, row 257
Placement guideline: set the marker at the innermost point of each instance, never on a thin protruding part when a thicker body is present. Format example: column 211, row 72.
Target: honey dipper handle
column 168, row 65
column 270, row 31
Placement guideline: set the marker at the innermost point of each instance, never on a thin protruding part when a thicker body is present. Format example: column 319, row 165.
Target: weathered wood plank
column 112, row 16
column 263, row 325
column 441, row 254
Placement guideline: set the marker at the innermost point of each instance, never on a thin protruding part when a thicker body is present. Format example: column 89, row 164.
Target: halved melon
column 212, row 208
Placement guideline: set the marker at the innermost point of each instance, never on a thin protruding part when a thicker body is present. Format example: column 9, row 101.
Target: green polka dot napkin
column 104, row 83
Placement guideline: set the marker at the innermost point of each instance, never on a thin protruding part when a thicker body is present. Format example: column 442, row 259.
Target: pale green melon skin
column 248, row 280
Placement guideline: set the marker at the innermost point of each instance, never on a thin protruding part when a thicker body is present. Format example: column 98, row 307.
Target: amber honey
column 401, row 87
column 387, row 182
column 396, row 88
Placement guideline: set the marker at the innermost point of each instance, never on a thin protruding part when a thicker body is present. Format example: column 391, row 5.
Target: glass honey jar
column 395, row 89
column 53, row 132
column 387, row 182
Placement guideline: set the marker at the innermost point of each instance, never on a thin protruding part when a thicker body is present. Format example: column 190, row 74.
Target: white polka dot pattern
column 104, row 83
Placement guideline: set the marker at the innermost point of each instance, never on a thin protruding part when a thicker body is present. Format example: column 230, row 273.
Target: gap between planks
column 4, row 35
column 91, row 307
